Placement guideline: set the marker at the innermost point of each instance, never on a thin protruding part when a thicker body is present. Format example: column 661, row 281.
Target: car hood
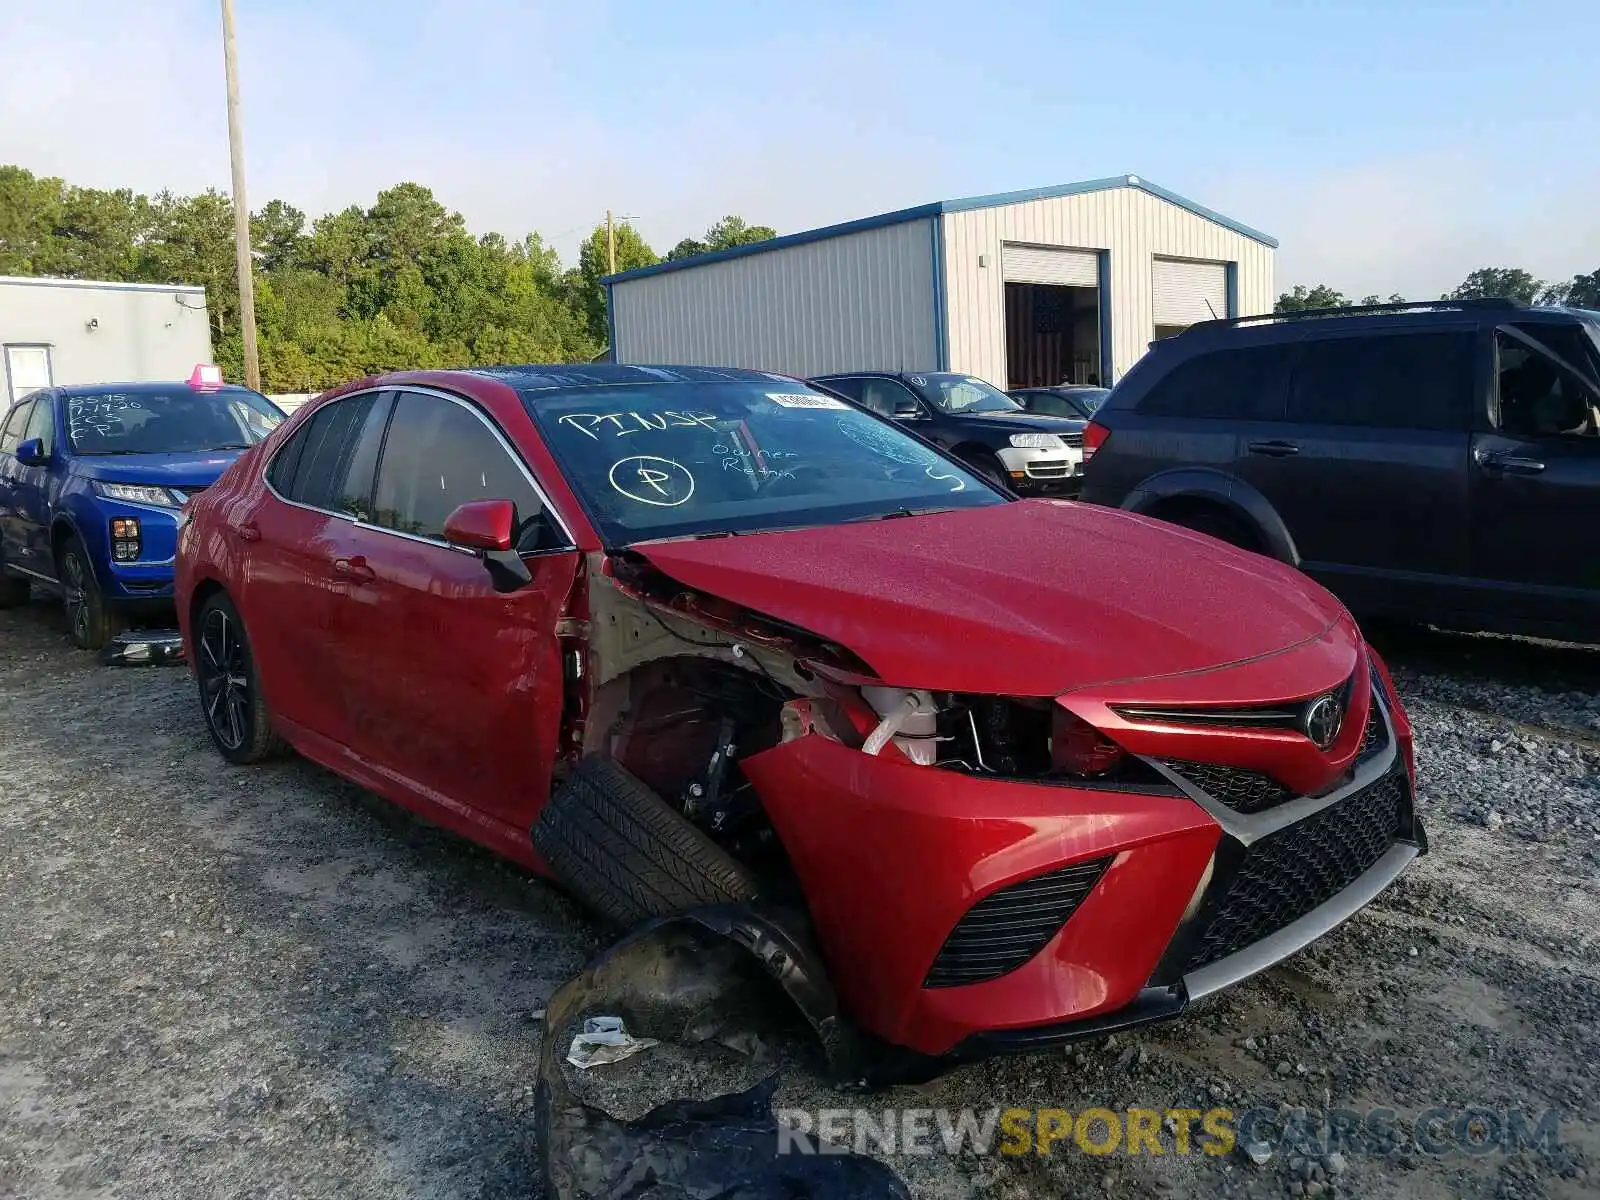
column 1030, row 598
column 163, row 470
column 1020, row 422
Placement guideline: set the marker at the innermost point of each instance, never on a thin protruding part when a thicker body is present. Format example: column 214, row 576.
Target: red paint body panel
column 1026, row 599
column 891, row 855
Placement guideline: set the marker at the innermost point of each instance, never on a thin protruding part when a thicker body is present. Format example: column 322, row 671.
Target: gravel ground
column 263, row 982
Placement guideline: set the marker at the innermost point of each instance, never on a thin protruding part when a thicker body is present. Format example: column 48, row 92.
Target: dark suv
column 1031, row 453
column 1431, row 462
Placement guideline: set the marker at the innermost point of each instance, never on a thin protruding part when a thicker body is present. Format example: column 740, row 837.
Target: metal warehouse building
column 69, row 331
column 1058, row 284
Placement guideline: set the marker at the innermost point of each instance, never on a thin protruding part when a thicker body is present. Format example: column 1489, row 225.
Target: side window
column 890, row 398
column 1397, row 381
column 1535, row 398
column 1245, row 384
column 311, row 468
column 438, row 456
column 849, row 386
column 11, row 437
column 355, row 487
column 42, row 424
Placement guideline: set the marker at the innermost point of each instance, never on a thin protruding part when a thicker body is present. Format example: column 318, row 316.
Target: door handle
column 1510, row 464
column 354, row 569
column 248, row 532
column 1274, row 449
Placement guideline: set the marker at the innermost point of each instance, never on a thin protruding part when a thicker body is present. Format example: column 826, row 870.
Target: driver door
column 452, row 689
column 1535, row 479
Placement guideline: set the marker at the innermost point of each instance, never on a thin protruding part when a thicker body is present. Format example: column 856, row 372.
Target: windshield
column 963, row 394
column 180, row 421
column 671, row 459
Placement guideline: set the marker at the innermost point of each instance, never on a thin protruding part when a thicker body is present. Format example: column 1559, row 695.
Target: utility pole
column 611, row 246
column 241, row 206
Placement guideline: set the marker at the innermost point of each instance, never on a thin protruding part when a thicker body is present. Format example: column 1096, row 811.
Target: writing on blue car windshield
column 178, row 421
column 676, row 459
column 963, row 394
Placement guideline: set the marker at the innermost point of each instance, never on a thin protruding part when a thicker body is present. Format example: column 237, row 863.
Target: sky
column 1390, row 147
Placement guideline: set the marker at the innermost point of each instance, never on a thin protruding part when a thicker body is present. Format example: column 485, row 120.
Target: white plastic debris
column 604, row 1040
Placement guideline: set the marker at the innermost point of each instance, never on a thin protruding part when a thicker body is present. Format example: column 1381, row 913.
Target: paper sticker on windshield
column 805, row 400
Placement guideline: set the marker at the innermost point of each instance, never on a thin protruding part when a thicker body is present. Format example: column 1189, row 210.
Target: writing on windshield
column 670, row 459
column 964, row 394
column 179, row 421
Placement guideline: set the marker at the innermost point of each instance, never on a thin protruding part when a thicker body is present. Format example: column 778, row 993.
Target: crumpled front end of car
column 1011, row 872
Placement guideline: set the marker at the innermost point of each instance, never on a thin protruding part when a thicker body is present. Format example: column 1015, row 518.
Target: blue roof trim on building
column 900, row 216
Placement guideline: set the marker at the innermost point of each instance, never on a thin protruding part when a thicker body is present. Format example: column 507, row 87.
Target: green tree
column 1498, row 283
column 734, row 231
column 1394, row 298
column 1583, row 291
column 277, row 235
column 1302, row 298
column 687, row 248
column 632, row 252
column 30, row 209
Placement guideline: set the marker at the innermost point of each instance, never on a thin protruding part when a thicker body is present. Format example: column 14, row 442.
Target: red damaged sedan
column 680, row 637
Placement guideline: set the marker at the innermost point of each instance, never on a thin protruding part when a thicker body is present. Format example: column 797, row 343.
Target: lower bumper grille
column 1284, row 876
column 1241, row 790
column 1004, row 930
column 1049, row 469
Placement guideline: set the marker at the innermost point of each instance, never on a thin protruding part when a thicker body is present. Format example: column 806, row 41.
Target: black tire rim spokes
column 75, row 589
column 223, row 668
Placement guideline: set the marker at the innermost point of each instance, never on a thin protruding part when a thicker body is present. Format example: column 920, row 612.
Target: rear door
column 1368, row 466
column 1536, row 479
column 453, row 689
column 292, row 538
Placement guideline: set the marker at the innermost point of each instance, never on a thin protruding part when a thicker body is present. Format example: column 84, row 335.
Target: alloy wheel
column 75, row 591
column 223, row 667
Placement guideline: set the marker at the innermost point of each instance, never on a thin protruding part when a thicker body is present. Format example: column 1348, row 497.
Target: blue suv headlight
column 138, row 493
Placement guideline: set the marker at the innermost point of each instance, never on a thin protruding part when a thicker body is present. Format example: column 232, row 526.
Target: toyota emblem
column 1323, row 720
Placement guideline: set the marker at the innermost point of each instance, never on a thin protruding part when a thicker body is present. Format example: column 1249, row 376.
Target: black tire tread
column 627, row 854
column 103, row 623
column 263, row 743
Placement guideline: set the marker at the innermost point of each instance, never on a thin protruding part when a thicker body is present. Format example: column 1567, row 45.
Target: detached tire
column 621, row 850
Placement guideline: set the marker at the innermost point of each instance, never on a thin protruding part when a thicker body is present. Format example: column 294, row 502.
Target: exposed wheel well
column 1205, row 515
column 203, row 591
column 59, row 533
column 975, row 450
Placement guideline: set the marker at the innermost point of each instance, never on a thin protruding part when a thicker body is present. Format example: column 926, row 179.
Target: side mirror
column 488, row 527
column 31, row 453
column 906, row 412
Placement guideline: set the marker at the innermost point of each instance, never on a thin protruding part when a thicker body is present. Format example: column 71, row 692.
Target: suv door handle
column 1274, row 449
column 1511, row 464
column 247, row 532
column 354, row 569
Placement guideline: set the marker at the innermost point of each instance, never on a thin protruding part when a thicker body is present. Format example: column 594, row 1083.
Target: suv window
column 311, row 467
column 11, row 438
column 1241, row 384
column 850, row 387
column 1536, row 398
column 438, row 456
column 1393, row 381
column 889, row 398
column 42, row 424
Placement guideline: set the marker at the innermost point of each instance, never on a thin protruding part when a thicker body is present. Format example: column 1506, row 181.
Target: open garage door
column 1186, row 292
column 1052, row 315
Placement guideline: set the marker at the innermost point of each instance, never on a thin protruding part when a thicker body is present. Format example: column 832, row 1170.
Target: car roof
column 534, row 376
column 148, row 388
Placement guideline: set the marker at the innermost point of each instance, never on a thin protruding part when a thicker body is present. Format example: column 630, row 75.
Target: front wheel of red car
column 230, row 687
column 626, row 854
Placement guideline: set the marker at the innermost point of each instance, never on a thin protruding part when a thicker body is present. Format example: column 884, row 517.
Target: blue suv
column 91, row 483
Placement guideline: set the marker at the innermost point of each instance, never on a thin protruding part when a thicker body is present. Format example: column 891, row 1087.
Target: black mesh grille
column 1283, row 877
column 1374, row 738
column 1002, row 931
column 1241, row 790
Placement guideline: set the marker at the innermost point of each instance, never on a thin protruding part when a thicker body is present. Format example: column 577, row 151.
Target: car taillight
column 1078, row 748
column 1094, row 436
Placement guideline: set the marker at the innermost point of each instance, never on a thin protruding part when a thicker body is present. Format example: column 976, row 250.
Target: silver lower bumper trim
column 1274, row 948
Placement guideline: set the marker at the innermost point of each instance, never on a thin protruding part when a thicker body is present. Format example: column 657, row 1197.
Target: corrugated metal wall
column 857, row 302
column 1132, row 224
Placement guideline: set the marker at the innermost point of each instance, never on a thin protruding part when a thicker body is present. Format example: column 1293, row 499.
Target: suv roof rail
column 1357, row 310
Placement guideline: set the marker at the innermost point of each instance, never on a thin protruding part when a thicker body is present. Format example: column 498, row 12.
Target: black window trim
column 570, row 544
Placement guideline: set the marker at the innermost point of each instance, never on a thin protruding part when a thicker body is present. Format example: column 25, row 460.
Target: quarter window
column 1401, row 381
column 440, row 455
column 311, row 468
column 1244, row 384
